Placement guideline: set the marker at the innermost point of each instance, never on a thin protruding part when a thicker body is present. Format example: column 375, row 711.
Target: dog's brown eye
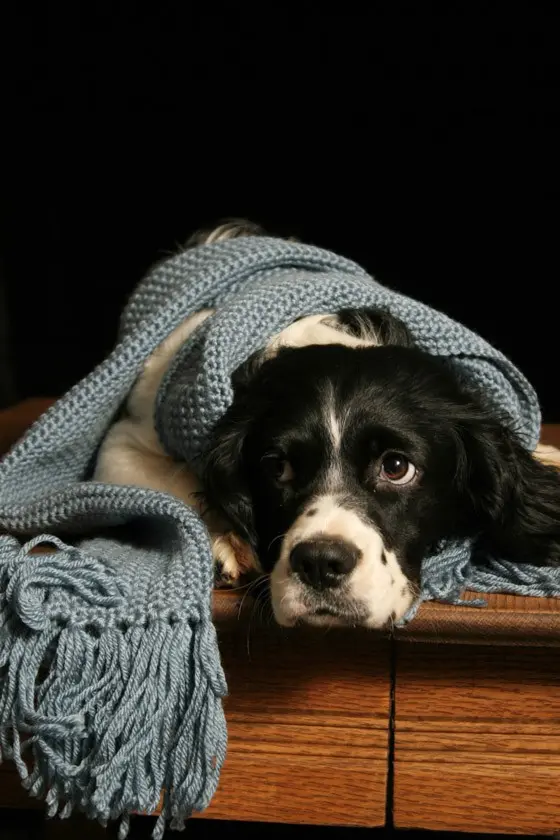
column 278, row 468
column 397, row 469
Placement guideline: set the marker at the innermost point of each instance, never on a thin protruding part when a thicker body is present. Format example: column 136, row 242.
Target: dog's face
column 345, row 465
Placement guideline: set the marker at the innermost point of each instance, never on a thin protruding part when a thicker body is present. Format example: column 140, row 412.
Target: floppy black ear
column 376, row 324
column 225, row 485
column 515, row 498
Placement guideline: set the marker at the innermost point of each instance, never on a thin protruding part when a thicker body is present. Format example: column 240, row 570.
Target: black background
column 423, row 145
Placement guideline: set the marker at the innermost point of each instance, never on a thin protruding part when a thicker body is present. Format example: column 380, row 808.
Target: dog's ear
column 514, row 497
column 377, row 325
column 225, row 483
column 225, row 474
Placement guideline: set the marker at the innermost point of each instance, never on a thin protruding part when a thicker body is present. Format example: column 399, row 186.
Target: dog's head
column 345, row 464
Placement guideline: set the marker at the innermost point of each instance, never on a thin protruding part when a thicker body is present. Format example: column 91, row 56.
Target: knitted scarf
column 110, row 676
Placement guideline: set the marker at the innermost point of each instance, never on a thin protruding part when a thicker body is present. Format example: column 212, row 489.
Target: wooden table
column 453, row 724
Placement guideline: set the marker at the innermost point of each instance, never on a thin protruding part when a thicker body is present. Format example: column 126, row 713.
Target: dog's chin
column 317, row 618
column 321, row 618
column 293, row 610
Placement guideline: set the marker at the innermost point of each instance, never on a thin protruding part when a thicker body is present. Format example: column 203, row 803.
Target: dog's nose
column 323, row 563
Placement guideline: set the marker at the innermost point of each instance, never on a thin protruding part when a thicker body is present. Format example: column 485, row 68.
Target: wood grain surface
column 505, row 620
column 477, row 739
column 308, row 723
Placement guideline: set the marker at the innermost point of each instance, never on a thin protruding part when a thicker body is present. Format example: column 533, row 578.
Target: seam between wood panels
column 390, row 789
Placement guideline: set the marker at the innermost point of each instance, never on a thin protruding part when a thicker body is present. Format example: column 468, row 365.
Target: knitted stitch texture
column 110, row 676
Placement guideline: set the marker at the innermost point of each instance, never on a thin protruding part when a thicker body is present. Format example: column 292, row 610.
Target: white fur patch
column 377, row 584
column 316, row 329
column 334, row 424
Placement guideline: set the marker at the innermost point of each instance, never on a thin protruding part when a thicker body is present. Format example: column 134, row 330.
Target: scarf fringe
column 448, row 573
column 105, row 719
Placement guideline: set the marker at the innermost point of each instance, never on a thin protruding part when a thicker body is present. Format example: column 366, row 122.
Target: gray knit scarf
column 110, row 675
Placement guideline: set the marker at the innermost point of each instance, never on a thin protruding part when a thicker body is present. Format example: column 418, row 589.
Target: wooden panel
column 310, row 791
column 477, row 739
column 308, row 717
column 505, row 620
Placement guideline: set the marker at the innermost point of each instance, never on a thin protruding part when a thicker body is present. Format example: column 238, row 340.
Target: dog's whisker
column 250, row 625
column 263, row 603
column 253, row 585
column 279, row 537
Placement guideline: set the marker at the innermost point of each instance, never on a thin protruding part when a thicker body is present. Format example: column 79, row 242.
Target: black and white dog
column 347, row 455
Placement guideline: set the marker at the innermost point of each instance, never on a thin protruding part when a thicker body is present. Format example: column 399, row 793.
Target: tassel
column 123, row 711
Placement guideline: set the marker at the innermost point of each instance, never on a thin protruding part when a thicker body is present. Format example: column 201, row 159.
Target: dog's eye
column 277, row 468
column 397, row 469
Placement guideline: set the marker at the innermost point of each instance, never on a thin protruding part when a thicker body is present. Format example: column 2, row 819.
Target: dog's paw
column 233, row 558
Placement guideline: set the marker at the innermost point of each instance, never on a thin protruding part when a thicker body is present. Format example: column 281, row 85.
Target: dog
column 347, row 456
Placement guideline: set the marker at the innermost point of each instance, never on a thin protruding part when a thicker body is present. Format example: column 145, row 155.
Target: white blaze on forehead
column 332, row 420
column 335, row 429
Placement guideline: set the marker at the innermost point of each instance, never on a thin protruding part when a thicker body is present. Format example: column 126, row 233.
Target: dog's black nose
column 323, row 563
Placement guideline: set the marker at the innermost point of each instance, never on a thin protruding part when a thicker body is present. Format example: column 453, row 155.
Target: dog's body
column 346, row 456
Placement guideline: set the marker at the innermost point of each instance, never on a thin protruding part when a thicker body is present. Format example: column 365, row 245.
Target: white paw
column 233, row 557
